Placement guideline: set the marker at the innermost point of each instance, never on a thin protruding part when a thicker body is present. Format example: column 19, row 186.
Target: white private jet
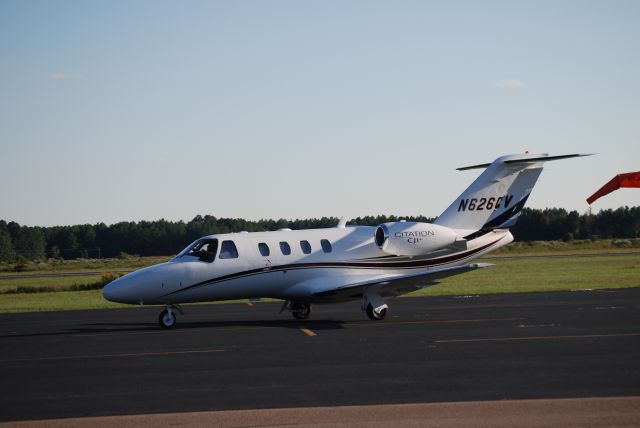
column 370, row 264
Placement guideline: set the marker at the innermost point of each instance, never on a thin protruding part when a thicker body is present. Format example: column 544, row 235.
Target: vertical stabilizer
column 496, row 197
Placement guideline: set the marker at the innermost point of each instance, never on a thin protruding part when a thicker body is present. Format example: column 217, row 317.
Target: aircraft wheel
column 167, row 318
column 375, row 316
column 303, row 313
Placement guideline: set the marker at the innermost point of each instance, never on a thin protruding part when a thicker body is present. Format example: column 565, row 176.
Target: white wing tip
column 481, row 265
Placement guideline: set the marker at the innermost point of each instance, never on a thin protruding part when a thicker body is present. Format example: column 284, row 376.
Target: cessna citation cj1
column 370, row 264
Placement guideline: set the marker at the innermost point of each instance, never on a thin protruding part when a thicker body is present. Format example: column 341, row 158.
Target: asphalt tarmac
column 239, row 356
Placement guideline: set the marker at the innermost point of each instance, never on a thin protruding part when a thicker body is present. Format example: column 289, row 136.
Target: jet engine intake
column 412, row 238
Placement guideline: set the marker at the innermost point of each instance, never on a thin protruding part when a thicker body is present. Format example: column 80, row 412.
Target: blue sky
column 119, row 111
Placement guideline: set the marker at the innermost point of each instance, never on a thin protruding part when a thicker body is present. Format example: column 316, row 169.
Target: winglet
column 342, row 223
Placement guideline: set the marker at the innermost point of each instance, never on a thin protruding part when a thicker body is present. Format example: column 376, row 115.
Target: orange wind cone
column 629, row 179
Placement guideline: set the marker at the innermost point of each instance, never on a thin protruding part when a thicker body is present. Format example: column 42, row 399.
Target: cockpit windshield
column 204, row 249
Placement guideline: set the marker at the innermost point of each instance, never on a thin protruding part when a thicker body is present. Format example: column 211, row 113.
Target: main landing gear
column 300, row 311
column 376, row 314
column 167, row 318
column 374, row 306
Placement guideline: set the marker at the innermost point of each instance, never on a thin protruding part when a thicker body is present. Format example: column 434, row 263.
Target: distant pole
column 98, row 253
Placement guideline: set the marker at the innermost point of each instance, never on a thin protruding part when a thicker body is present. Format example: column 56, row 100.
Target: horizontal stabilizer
column 526, row 160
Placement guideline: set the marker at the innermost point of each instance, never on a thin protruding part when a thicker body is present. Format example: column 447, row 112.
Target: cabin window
column 285, row 248
column 305, row 246
column 264, row 249
column 326, row 245
column 228, row 250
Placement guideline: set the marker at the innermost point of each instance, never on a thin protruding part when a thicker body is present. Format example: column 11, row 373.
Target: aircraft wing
column 395, row 286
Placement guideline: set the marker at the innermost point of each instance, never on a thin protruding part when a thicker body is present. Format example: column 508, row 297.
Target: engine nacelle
column 413, row 239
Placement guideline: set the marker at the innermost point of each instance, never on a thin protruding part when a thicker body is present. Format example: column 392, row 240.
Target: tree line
column 162, row 237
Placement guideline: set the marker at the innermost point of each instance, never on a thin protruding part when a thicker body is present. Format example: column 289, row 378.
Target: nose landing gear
column 300, row 311
column 167, row 318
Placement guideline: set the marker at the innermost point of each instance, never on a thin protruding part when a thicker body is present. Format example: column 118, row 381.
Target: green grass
column 519, row 275
column 135, row 262
column 537, row 248
column 508, row 275
column 80, row 265
column 54, row 284
column 55, row 301
column 28, row 284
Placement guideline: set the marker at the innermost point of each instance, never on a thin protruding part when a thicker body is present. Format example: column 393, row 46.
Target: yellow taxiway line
column 308, row 332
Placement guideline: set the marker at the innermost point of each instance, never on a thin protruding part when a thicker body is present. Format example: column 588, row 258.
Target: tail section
column 496, row 197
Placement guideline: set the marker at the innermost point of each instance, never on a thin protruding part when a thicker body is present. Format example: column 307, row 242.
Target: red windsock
column 629, row 179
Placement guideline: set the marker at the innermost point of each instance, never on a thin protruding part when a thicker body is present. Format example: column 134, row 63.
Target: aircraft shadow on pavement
column 130, row 327
column 320, row 325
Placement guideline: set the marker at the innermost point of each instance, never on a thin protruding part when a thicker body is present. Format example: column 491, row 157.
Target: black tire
column 376, row 316
column 304, row 313
column 167, row 319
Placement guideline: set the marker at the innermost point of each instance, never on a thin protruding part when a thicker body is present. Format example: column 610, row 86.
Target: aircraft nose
column 114, row 291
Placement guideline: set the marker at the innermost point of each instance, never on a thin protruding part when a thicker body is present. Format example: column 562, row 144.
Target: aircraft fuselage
column 351, row 256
